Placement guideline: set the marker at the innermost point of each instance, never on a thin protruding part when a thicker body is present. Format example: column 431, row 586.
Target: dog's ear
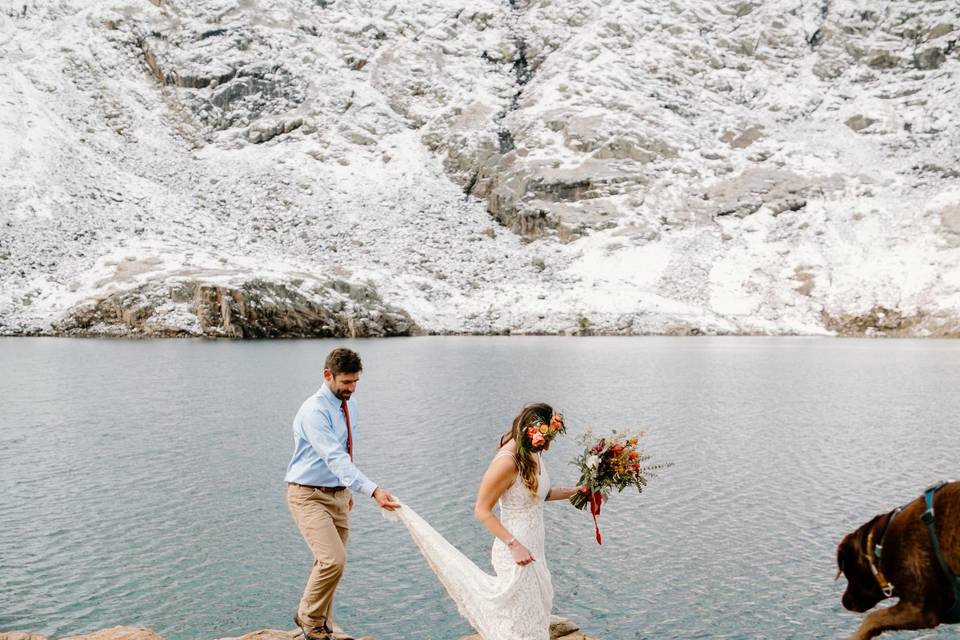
column 852, row 552
column 849, row 551
column 863, row 534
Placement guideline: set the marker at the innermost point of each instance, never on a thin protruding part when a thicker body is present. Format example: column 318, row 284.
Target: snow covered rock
column 250, row 309
column 539, row 166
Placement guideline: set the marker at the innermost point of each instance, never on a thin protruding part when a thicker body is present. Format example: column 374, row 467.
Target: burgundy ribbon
column 596, row 499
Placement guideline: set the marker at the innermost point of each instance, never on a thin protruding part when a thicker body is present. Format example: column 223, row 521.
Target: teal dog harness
column 952, row 615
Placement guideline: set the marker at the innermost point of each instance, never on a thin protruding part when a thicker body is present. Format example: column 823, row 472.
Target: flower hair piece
column 532, row 430
column 539, row 434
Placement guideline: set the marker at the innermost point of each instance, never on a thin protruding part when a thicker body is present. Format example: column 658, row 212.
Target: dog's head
column 863, row 592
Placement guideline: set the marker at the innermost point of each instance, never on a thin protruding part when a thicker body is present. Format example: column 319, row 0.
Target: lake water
column 141, row 482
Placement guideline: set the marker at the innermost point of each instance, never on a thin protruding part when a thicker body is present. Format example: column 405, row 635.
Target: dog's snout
column 850, row 604
column 846, row 602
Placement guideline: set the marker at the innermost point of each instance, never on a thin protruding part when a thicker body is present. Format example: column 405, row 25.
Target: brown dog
column 907, row 563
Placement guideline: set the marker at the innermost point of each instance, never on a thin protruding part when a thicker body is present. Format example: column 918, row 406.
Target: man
column 319, row 478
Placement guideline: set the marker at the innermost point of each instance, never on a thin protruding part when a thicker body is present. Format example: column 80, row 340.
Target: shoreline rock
column 560, row 628
column 248, row 309
column 251, row 308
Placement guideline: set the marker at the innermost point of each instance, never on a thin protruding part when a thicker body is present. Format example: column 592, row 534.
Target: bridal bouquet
column 612, row 461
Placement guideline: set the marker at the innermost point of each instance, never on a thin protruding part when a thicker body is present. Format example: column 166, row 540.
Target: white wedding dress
column 515, row 603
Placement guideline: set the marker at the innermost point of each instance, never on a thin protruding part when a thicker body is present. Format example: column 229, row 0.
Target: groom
column 318, row 478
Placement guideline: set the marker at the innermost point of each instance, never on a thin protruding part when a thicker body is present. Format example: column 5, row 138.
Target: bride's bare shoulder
column 510, row 446
column 507, row 452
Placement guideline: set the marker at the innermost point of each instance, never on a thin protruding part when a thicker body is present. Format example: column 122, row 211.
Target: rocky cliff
column 271, row 168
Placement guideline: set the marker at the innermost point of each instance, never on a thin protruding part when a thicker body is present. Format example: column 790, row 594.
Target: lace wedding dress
column 515, row 603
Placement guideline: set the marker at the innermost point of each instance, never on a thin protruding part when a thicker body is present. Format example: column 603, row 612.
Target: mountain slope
column 267, row 168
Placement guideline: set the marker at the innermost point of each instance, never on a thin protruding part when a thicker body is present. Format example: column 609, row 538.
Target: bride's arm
column 501, row 473
column 561, row 493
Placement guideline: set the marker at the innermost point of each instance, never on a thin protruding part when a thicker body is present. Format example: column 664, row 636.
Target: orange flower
column 544, row 429
column 633, row 440
column 537, row 439
column 633, row 455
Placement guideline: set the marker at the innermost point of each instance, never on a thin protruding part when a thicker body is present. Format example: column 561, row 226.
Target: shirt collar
column 326, row 393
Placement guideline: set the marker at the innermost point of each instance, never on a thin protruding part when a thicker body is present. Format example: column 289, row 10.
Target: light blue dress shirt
column 320, row 457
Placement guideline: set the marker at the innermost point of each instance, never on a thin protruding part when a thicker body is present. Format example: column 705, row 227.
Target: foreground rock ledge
column 559, row 628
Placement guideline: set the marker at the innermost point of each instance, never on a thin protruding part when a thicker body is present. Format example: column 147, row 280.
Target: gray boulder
column 255, row 308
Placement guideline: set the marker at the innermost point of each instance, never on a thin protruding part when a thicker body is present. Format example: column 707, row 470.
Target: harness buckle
column 936, row 486
column 876, row 551
column 927, row 516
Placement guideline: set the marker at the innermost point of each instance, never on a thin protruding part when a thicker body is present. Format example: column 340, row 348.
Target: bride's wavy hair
column 530, row 415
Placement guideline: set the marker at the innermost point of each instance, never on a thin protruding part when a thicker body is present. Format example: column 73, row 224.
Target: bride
column 515, row 603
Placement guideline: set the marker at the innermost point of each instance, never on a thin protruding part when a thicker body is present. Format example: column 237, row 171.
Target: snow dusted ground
column 545, row 166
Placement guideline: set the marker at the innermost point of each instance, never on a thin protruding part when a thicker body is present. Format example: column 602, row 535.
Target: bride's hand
column 521, row 554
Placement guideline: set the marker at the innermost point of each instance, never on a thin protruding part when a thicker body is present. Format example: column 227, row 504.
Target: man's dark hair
column 343, row 361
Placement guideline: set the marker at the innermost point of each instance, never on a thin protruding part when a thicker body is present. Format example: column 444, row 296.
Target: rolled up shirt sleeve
column 318, row 431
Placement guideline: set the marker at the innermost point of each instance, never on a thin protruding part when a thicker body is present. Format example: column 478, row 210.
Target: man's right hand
column 385, row 500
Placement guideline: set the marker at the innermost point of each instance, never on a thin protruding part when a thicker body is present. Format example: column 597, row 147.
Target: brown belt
column 324, row 489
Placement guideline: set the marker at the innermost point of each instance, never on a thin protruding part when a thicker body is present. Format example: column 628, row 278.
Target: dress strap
column 505, row 454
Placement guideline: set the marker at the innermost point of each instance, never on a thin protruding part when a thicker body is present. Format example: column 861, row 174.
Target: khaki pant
column 324, row 521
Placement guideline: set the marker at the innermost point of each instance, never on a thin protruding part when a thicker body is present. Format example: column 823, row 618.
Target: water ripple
column 140, row 482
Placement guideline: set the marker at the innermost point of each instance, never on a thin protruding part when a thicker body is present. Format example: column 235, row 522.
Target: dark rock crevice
column 500, row 203
column 521, row 76
column 213, row 33
column 815, row 39
column 472, row 183
column 176, row 79
column 505, row 139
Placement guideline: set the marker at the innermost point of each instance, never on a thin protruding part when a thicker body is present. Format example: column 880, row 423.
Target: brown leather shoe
column 312, row 633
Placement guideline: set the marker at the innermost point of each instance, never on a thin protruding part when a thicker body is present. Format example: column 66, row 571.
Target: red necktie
column 346, row 414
